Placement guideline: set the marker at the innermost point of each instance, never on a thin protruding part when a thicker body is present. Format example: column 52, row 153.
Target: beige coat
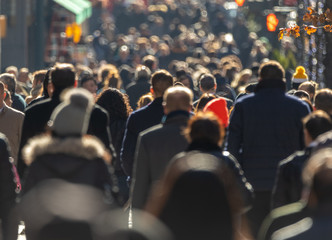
column 11, row 122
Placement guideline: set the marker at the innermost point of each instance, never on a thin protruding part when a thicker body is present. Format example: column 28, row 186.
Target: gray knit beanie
column 72, row 116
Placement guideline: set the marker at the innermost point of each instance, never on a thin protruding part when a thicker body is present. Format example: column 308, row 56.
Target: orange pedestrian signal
column 239, row 2
column 74, row 31
column 272, row 22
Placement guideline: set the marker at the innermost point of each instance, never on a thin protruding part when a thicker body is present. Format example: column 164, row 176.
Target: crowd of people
column 182, row 127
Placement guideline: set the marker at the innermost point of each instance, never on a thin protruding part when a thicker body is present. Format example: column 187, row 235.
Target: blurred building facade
column 34, row 30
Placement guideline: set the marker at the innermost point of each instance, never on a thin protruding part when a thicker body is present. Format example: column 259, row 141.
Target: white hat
column 72, row 116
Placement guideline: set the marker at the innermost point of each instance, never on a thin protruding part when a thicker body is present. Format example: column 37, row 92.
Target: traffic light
column 239, row 2
column 74, row 31
column 272, row 22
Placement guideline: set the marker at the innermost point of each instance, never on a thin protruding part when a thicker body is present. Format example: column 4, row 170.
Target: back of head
column 150, row 61
column 9, row 80
column 178, row 98
column 63, row 76
column 23, row 75
column 207, row 82
column 323, row 100
column 205, row 128
column 309, row 86
column 71, row 117
column 142, row 74
column 316, row 123
column 144, row 100
column 115, row 103
column 113, row 78
column 126, row 74
column 271, row 70
column 198, row 197
column 84, row 78
column 317, row 176
column 46, row 82
column 38, row 77
column 104, row 71
column 161, row 80
column 57, row 209
column 196, row 200
column 301, row 94
column 12, row 70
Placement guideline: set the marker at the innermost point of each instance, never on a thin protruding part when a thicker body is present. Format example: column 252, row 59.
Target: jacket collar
column 271, row 84
column 87, row 147
column 176, row 117
column 157, row 101
column 204, row 146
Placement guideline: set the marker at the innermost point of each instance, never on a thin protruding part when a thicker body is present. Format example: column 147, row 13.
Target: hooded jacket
column 74, row 159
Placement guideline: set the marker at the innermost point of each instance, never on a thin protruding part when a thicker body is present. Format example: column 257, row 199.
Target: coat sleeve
column 245, row 187
column 28, row 131
column 7, row 188
column 128, row 146
column 140, row 186
column 280, row 195
column 99, row 127
column 235, row 132
column 20, row 120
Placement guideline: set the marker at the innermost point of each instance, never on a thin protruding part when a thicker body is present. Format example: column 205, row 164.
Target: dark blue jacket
column 138, row 121
column 265, row 128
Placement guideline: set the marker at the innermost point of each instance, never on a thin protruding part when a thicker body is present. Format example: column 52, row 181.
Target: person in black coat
column 7, row 189
column 117, row 106
column 317, row 187
column 37, row 115
column 67, row 153
column 157, row 145
column 140, row 86
column 265, row 128
column 288, row 187
column 206, row 134
column 198, row 198
column 144, row 118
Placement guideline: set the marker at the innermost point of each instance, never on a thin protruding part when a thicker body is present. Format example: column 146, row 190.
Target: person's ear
column 151, row 90
column 165, row 109
column 50, row 88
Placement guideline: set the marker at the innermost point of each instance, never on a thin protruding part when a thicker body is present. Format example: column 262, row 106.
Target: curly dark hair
column 115, row 103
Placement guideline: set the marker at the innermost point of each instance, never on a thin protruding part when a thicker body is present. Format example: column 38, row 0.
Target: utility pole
column 40, row 34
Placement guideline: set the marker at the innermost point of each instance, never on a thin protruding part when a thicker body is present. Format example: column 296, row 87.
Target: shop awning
column 81, row 8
